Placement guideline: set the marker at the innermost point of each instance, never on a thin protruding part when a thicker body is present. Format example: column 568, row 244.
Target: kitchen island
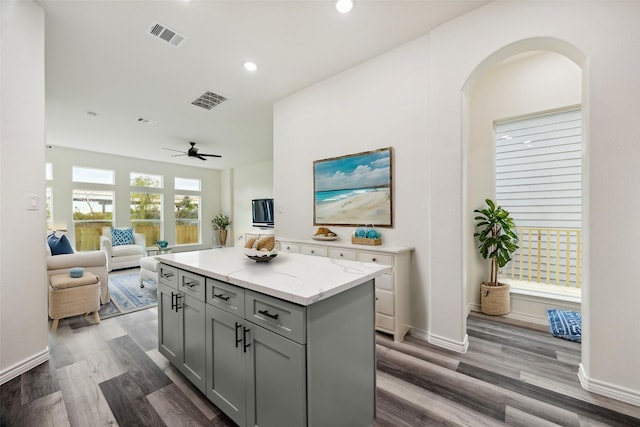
column 285, row 343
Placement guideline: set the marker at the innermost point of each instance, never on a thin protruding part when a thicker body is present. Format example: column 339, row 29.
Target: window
column 92, row 210
column 49, row 206
column 145, row 180
column 146, row 215
column 187, row 219
column 92, row 176
column 188, row 184
column 539, row 181
column 48, row 171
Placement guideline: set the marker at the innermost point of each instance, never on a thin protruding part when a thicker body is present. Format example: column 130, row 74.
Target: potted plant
column 220, row 223
column 498, row 240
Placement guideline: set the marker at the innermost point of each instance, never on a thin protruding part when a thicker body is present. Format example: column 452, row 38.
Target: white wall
column 541, row 82
column 380, row 103
column 413, row 98
column 251, row 182
column 63, row 159
column 23, row 291
column 611, row 64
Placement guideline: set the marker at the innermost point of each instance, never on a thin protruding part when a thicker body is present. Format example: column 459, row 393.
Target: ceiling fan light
column 344, row 6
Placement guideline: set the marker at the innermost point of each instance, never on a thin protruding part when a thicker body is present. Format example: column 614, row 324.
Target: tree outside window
column 187, row 210
column 146, row 207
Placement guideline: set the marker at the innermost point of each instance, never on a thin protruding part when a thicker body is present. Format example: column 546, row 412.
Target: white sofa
column 95, row 262
column 122, row 256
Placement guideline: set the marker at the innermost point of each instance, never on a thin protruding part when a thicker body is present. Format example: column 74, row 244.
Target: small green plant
column 496, row 234
column 221, row 221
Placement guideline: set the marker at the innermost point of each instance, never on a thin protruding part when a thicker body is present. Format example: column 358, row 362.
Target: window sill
column 559, row 293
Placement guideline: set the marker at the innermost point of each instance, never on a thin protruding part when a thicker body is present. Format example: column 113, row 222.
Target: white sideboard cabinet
column 392, row 289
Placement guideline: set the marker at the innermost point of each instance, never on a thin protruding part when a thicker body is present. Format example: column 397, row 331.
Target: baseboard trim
column 457, row 346
column 24, row 366
column 609, row 390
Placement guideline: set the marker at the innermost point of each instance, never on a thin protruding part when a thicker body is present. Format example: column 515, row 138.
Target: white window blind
column 539, row 169
column 539, row 181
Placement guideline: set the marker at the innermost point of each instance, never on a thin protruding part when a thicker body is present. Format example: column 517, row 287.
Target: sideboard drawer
column 375, row 258
column 385, row 282
column 282, row 317
column 192, row 284
column 289, row 247
column 384, row 322
column 168, row 275
column 225, row 296
column 339, row 253
column 384, row 302
column 313, row 250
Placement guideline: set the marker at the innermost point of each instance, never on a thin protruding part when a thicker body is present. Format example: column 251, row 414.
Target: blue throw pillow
column 59, row 245
column 121, row 236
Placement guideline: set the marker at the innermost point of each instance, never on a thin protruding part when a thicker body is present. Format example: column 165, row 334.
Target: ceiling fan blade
column 210, row 155
column 178, row 155
column 171, row 149
column 200, row 157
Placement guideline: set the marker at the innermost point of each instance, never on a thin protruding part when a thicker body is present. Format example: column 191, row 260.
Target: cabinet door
column 169, row 334
column 192, row 316
column 226, row 363
column 276, row 384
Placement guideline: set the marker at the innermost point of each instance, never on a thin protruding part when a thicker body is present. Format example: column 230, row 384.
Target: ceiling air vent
column 209, row 100
column 162, row 32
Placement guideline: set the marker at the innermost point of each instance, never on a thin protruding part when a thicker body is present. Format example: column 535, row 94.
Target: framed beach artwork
column 354, row 190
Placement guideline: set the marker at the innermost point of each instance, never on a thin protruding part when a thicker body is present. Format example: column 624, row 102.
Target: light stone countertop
column 301, row 279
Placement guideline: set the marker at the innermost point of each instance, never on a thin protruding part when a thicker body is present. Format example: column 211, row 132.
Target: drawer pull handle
column 313, row 252
column 167, row 275
column 222, row 297
column 373, row 260
column 288, row 248
column 269, row 315
column 244, row 338
column 174, row 305
column 192, row 283
column 238, row 341
column 341, row 254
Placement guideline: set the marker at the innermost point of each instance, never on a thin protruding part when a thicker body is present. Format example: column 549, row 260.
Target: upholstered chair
column 122, row 253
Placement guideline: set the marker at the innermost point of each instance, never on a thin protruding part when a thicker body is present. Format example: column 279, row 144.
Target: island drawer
column 168, row 275
column 313, row 250
column 376, row 258
column 225, row 296
column 282, row 317
column 192, row 284
column 339, row 253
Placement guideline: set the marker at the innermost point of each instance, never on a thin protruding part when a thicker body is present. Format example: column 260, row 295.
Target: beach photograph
column 354, row 190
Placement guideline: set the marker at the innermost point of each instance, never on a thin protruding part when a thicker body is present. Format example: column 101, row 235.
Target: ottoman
column 69, row 296
column 148, row 269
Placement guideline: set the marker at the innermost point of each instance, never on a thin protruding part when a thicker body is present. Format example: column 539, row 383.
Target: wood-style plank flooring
column 113, row 374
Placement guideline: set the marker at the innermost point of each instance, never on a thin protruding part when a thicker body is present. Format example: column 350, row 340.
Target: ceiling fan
column 192, row 152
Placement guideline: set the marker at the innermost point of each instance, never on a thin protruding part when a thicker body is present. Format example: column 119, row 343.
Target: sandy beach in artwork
column 362, row 208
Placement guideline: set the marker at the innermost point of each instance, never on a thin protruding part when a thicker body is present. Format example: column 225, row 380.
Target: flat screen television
column 262, row 212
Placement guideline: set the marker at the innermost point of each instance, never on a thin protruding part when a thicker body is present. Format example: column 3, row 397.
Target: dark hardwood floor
column 113, row 374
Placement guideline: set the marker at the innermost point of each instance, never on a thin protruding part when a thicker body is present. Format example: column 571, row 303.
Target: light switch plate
column 33, row 202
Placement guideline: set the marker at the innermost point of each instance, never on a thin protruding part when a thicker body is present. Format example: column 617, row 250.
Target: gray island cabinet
column 285, row 343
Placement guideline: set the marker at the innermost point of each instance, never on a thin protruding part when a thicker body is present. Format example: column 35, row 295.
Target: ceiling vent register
column 208, row 100
column 162, row 32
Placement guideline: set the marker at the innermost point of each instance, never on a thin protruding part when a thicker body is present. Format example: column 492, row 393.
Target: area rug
column 565, row 324
column 127, row 295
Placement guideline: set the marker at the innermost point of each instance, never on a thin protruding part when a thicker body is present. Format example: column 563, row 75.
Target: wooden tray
column 365, row 241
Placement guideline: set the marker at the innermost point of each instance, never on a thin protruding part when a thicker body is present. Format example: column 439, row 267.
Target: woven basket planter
column 495, row 300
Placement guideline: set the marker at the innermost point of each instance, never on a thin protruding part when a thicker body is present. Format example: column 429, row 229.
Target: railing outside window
column 549, row 256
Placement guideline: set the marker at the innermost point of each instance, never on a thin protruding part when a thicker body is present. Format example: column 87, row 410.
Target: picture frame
column 354, row 190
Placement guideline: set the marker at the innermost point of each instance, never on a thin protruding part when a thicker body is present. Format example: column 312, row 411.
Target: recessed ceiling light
column 250, row 66
column 344, row 6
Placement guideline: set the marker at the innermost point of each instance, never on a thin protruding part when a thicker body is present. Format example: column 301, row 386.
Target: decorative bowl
column 260, row 256
column 162, row 244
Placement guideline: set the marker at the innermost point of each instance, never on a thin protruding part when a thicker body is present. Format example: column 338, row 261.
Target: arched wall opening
column 523, row 78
